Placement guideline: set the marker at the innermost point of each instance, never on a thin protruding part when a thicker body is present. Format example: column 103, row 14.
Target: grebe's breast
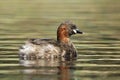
column 41, row 48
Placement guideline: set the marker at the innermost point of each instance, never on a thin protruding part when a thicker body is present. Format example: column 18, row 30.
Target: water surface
column 98, row 48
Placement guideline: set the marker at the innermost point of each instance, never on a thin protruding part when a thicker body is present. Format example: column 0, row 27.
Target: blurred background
column 98, row 48
column 94, row 17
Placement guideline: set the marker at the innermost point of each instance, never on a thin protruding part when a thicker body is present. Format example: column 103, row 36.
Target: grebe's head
column 66, row 29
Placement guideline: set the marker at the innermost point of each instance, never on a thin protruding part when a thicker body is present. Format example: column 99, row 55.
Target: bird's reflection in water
column 47, row 69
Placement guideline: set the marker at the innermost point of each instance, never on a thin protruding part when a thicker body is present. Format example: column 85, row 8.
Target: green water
column 98, row 48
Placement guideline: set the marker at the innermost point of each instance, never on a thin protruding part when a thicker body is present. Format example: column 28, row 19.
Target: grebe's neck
column 62, row 34
column 62, row 39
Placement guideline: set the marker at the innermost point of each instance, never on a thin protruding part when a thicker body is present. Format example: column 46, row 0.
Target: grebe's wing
column 38, row 41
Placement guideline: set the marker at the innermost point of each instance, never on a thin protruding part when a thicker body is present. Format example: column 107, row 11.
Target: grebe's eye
column 73, row 27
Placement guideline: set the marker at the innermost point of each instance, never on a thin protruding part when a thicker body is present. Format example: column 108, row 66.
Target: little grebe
column 49, row 48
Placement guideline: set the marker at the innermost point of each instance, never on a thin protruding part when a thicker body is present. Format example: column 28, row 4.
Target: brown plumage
column 50, row 48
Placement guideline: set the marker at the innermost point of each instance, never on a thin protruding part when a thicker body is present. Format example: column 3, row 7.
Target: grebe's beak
column 77, row 31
